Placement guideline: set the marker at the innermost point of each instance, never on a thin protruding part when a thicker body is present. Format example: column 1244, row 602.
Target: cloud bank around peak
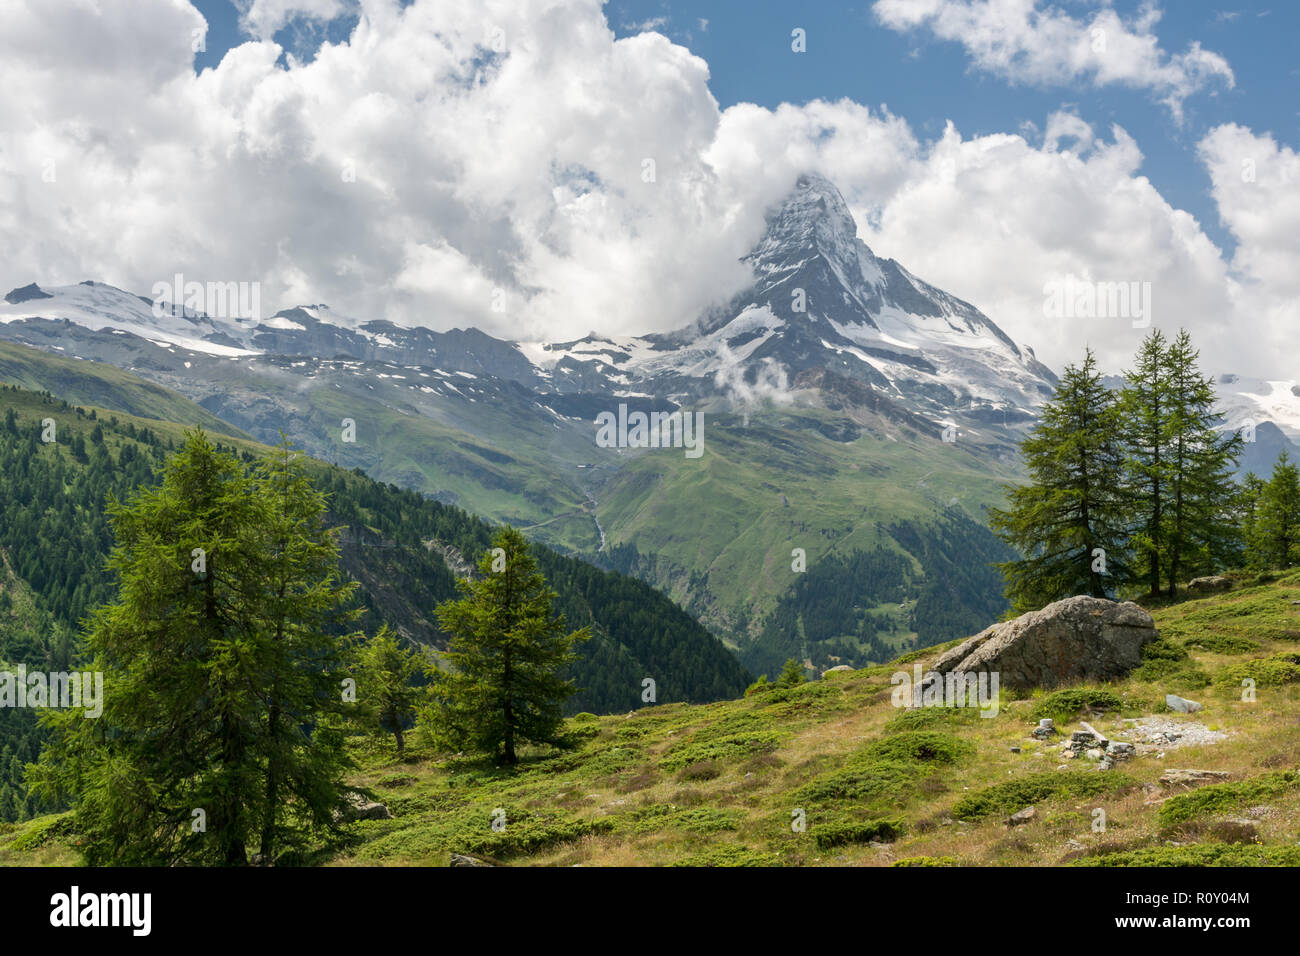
column 518, row 168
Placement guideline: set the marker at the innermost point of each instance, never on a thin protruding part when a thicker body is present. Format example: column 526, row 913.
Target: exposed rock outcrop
column 1077, row 639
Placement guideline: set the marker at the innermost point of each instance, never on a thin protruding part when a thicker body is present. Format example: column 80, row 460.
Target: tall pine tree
column 220, row 728
column 1069, row 522
column 507, row 653
column 1203, row 495
column 1145, row 412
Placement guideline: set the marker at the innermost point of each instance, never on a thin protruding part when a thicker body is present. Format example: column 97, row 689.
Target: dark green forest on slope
column 835, row 612
column 54, row 539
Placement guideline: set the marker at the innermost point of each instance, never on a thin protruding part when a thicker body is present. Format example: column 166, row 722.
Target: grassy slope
column 766, row 488
column 717, row 784
column 100, row 386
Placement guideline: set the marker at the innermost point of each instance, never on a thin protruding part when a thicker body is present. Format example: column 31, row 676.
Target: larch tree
column 504, row 685
column 1070, row 521
column 222, row 663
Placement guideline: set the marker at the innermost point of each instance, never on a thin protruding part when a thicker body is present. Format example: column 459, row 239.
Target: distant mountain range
column 849, row 406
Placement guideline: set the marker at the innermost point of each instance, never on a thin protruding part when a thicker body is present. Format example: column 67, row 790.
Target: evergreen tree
column 791, row 674
column 1202, row 535
column 1145, row 403
column 1275, row 537
column 1069, row 522
column 1248, row 497
column 385, row 670
column 223, row 697
column 507, row 652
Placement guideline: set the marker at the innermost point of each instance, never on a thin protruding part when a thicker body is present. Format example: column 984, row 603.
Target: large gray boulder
column 1077, row 639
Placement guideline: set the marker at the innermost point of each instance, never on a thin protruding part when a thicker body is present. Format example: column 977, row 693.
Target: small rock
column 1192, row 778
column 462, row 859
column 359, row 808
column 1095, row 753
column 1021, row 817
column 1181, row 704
column 1015, row 750
column 1214, row 582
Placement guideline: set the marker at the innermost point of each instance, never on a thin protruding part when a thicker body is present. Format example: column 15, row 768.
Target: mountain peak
column 26, row 294
column 814, row 208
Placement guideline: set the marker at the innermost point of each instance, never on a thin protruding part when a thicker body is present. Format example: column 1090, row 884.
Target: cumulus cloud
column 1020, row 42
column 264, row 18
column 1256, row 185
column 997, row 221
column 515, row 167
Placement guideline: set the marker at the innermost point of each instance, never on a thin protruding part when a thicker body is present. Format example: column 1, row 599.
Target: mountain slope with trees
column 398, row 546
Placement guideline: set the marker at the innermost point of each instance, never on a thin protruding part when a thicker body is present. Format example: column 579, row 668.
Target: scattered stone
column 1094, row 731
column 1181, row 704
column 1214, row 582
column 1192, row 778
column 462, row 859
column 1078, row 639
column 1045, row 729
column 1118, row 750
column 1088, row 743
column 837, row 668
column 1161, row 733
column 359, row 808
column 1021, row 817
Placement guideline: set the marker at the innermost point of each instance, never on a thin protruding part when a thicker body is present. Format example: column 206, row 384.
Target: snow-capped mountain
column 824, row 314
column 1255, row 400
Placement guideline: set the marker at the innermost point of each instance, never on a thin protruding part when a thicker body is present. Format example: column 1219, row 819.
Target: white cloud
column 993, row 220
column 1256, row 184
column 412, row 172
column 263, row 18
column 1020, row 42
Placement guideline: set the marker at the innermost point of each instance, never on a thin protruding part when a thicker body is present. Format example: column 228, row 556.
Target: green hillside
column 94, row 384
column 404, row 550
column 717, row 533
column 720, row 784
